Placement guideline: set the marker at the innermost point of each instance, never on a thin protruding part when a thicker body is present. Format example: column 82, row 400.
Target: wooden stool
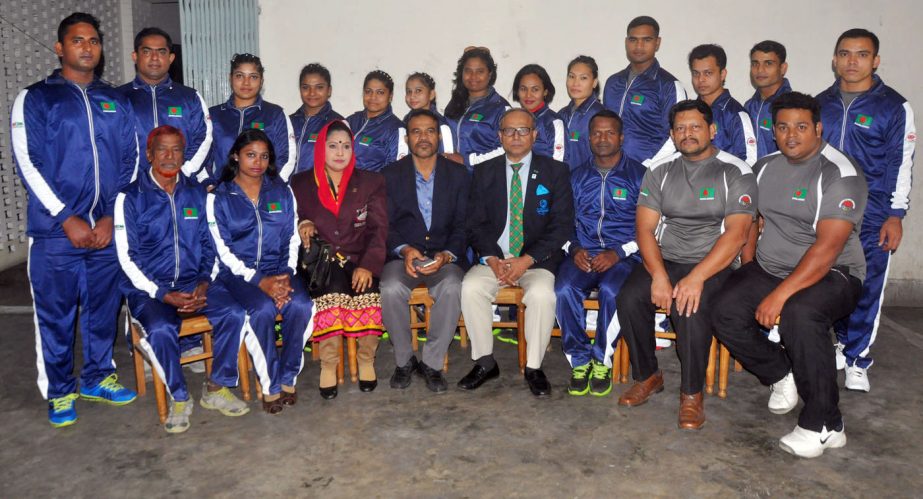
column 193, row 325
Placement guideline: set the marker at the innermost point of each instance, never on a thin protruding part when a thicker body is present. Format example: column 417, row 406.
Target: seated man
column 427, row 200
column 603, row 253
column 520, row 215
column 167, row 255
column 808, row 273
column 694, row 212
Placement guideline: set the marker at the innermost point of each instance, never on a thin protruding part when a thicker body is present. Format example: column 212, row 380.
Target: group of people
column 734, row 220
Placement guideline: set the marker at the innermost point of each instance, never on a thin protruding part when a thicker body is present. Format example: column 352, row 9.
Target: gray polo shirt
column 795, row 196
column 693, row 198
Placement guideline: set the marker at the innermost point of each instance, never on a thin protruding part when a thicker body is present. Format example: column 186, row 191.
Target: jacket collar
column 55, row 78
column 877, row 84
column 230, row 103
column 322, row 114
column 649, row 73
column 381, row 117
column 149, row 182
column 785, row 88
column 139, row 83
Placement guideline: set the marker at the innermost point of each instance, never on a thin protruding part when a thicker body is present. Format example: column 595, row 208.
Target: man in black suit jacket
column 547, row 221
column 427, row 202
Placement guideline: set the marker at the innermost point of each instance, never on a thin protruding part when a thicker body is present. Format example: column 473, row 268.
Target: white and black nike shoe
column 807, row 443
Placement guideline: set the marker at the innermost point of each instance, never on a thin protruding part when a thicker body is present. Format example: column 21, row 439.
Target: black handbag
column 315, row 265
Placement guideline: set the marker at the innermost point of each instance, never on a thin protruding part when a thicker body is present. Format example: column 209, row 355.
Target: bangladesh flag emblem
column 312, row 137
column 645, row 192
column 365, row 140
column 273, row 207
column 257, row 125
column 619, row 194
column 175, row 111
column 766, row 124
column 476, row 117
column 799, row 194
column 707, row 194
column 637, row 99
column 863, row 120
column 847, row 204
column 107, row 106
column 574, row 136
column 190, row 213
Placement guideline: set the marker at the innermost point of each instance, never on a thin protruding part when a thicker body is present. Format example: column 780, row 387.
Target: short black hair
column 153, row 31
column 770, row 46
column 77, row 18
column 644, row 21
column 858, row 33
column 315, row 68
column 414, row 113
column 709, row 50
column 381, row 76
column 534, row 69
column 606, row 114
column 691, row 105
column 796, row 100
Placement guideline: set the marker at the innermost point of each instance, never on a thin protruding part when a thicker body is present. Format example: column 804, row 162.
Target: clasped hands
column 509, row 270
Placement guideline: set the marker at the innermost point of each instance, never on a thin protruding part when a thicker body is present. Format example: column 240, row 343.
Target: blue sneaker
column 61, row 411
column 109, row 391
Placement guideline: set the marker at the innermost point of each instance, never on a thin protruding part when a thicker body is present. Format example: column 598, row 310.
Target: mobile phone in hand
column 421, row 264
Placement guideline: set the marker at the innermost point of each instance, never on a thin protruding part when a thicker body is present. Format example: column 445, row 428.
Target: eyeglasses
column 518, row 131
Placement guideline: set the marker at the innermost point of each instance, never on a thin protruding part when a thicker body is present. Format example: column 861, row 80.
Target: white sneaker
column 807, row 443
column 223, row 401
column 178, row 419
column 496, row 314
column 783, row 395
column 196, row 367
column 857, row 379
column 662, row 343
column 840, row 357
column 774, row 335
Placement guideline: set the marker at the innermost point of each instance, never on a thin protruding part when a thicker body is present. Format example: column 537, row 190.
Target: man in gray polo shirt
column 694, row 212
column 808, row 272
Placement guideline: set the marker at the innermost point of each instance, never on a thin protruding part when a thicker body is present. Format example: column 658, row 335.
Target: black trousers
column 635, row 313
column 804, row 327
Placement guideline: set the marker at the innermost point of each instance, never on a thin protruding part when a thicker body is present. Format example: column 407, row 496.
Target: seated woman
column 475, row 108
column 346, row 208
column 245, row 110
column 251, row 216
column 315, row 112
column 583, row 89
column 421, row 94
column 532, row 88
column 380, row 134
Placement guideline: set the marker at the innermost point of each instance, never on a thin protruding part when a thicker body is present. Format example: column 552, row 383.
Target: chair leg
column 243, row 371
column 353, row 363
column 138, row 359
column 521, row 336
column 616, row 362
column 341, row 373
column 737, row 366
column 724, row 363
column 207, row 348
column 625, row 363
column 710, row 369
column 160, row 393
column 462, row 333
column 445, row 363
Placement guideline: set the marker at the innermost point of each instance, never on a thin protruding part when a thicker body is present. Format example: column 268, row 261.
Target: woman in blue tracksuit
column 475, row 108
column 380, row 135
column 532, row 88
column 315, row 112
column 421, row 94
column 251, row 216
column 245, row 110
column 583, row 89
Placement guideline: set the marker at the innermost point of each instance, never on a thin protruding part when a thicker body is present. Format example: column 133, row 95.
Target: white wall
column 401, row 37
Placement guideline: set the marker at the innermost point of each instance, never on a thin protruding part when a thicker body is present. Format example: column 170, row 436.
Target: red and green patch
column 365, row 140
column 175, row 111
column 619, row 194
column 745, row 200
column 766, row 124
column 707, row 194
column 476, row 117
column 273, row 207
column 863, row 120
column 574, row 136
column 645, row 192
column 190, row 213
column 107, row 106
column 257, row 125
column 637, row 100
column 799, row 194
column 847, row 204
column 312, row 137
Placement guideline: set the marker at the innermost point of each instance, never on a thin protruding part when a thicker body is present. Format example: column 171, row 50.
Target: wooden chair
column 192, row 325
column 419, row 296
column 619, row 356
column 713, row 354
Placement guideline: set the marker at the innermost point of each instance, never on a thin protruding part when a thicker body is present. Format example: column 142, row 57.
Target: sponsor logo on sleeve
column 847, row 204
column 911, row 137
column 751, row 141
column 18, row 124
column 744, row 200
column 645, row 192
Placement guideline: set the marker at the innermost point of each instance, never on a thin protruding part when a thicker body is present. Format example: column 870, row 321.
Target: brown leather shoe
column 642, row 390
column 691, row 411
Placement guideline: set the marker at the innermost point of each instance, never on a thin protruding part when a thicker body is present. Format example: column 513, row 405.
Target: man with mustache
column 694, row 212
column 427, row 203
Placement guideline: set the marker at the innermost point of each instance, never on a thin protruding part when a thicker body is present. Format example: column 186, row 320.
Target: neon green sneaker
column 579, row 383
column 178, row 419
column 600, row 380
column 61, row 411
column 109, row 391
column 223, row 401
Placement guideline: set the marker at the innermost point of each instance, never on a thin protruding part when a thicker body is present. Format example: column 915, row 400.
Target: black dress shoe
column 329, row 393
column 478, row 376
column 538, row 383
column 435, row 381
column 367, row 386
column 403, row 375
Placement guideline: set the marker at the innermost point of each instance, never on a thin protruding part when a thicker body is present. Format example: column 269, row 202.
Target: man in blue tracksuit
column 767, row 75
column 602, row 254
column 315, row 112
column 167, row 255
column 74, row 142
column 873, row 124
column 158, row 100
column 733, row 130
column 643, row 93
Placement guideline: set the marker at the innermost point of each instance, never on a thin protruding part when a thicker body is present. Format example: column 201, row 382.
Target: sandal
column 273, row 407
column 288, row 398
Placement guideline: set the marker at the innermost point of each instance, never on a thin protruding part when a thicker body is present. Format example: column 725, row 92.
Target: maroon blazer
column 361, row 230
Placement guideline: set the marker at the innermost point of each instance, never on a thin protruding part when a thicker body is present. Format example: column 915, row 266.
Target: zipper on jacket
column 625, row 94
column 458, row 129
column 86, row 101
column 175, row 239
column 602, row 208
column 259, row 233
column 845, row 115
column 304, row 128
column 154, row 105
column 757, row 119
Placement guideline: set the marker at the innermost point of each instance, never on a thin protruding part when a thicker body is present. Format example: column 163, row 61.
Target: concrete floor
column 497, row 441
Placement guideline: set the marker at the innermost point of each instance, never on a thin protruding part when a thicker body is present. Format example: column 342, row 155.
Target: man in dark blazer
column 427, row 201
column 520, row 214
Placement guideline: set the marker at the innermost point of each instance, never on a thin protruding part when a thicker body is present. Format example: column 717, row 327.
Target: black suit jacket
column 450, row 201
column 548, row 210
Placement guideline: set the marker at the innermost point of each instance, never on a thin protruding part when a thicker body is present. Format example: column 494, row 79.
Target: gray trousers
column 445, row 289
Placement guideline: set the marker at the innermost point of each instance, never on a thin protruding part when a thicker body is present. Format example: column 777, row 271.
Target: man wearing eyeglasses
column 520, row 215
